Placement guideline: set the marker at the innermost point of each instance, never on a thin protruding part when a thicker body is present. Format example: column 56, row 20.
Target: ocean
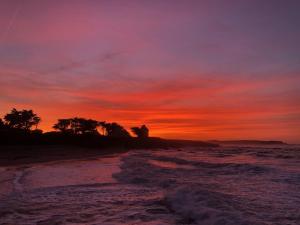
column 208, row 186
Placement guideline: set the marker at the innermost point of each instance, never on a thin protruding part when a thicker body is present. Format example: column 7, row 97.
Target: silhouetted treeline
column 79, row 126
column 21, row 128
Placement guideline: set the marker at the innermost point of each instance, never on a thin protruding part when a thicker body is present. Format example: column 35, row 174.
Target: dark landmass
column 20, row 137
column 21, row 142
column 248, row 142
column 23, row 148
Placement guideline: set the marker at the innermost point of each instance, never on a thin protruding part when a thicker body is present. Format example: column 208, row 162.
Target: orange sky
column 194, row 70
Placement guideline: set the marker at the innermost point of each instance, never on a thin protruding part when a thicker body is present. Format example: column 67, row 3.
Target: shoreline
column 16, row 156
column 33, row 150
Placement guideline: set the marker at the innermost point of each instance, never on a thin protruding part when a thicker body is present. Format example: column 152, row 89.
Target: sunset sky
column 227, row 69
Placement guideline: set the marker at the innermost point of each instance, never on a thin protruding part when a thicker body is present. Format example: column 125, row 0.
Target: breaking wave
column 200, row 188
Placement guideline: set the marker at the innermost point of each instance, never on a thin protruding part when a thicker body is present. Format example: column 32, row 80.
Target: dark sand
column 22, row 155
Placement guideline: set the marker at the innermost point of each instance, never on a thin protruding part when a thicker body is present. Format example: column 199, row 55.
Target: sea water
column 224, row 185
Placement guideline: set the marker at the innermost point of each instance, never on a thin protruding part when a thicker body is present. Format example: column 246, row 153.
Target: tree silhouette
column 36, row 120
column 23, row 119
column 115, row 130
column 63, row 125
column 102, row 126
column 84, row 126
column 89, row 126
column 77, row 126
column 141, row 132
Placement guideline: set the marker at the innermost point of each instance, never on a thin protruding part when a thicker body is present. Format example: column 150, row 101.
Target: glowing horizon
column 192, row 70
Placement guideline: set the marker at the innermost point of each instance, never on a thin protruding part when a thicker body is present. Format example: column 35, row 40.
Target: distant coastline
column 248, row 142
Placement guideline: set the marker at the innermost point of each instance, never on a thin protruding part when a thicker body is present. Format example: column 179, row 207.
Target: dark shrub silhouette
column 114, row 130
column 77, row 126
column 24, row 119
column 37, row 132
column 141, row 132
